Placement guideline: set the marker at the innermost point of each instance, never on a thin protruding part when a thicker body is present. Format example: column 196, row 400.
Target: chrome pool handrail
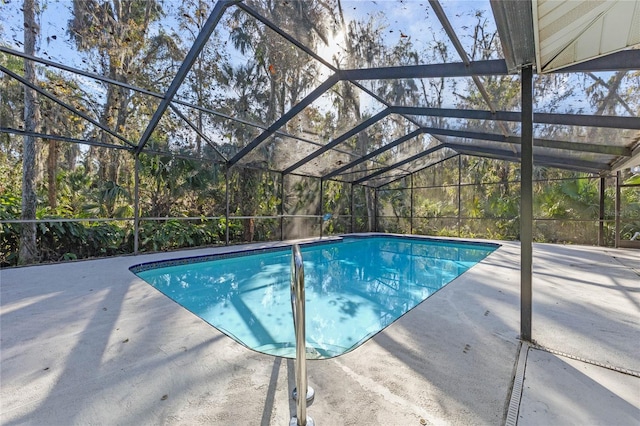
column 298, row 309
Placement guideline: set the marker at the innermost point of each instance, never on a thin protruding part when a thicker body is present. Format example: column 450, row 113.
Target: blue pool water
column 355, row 287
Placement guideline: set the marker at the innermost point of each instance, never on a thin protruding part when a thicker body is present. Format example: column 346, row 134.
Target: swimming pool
column 355, row 287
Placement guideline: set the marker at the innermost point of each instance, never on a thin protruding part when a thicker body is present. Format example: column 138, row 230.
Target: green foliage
column 576, row 198
column 76, row 240
column 630, row 211
column 633, row 180
column 175, row 187
column 106, row 203
column 174, row 234
column 59, row 240
column 129, row 44
column 9, row 232
column 566, row 204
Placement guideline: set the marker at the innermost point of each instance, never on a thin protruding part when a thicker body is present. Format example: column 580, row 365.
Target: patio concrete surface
column 89, row 343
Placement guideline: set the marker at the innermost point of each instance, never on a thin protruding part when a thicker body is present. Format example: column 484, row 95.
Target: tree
column 59, row 121
column 116, row 32
column 28, row 248
column 206, row 71
column 270, row 82
column 348, row 104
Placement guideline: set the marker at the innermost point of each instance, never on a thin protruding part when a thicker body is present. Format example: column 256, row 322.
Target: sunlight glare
column 334, row 51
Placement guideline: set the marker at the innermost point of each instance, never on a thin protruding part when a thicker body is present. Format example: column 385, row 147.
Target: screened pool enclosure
column 148, row 125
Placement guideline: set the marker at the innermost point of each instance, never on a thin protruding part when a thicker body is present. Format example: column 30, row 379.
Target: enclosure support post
column 321, row 206
column 526, row 204
column 281, row 206
column 411, row 207
column 226, row 214
column 459, row 199
column 353, row 212
column 136, row 203
column 375, row 209
column 617, row 244
column 601, row 221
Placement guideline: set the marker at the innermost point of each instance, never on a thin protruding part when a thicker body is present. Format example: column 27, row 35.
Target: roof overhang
column 514, row 20
column 570, row 32
column 554, row 34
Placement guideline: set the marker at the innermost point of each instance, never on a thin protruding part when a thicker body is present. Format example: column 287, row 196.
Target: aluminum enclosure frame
column 518, row 43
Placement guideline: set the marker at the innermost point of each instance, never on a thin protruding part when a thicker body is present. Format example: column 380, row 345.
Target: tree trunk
column 28, row 250
column 363, row 141
column 249, row 192
column 52, row 167
column 249, row 230
column 371, row 209
column 88, row 160
column 108, row 119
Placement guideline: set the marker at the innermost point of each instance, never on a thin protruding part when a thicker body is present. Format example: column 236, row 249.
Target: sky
column 412, row 20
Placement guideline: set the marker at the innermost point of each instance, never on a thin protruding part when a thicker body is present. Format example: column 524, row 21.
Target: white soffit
column 569, row 32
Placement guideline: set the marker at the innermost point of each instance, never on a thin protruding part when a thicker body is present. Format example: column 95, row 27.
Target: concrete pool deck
column 90, row 343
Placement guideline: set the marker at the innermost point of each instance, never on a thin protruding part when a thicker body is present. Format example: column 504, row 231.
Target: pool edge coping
column 185, row 260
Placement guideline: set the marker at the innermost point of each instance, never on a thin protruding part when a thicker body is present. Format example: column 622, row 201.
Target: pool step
column 286, row 350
